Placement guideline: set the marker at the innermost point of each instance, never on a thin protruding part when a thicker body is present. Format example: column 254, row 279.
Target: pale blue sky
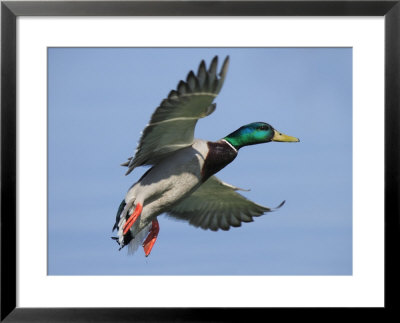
column 100, row 99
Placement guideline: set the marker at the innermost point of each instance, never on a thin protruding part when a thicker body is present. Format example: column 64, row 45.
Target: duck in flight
column 181, row 181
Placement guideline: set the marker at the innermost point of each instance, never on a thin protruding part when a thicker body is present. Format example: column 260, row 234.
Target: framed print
column 81, row 80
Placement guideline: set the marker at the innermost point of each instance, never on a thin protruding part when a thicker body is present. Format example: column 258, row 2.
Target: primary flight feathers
column 172, row 124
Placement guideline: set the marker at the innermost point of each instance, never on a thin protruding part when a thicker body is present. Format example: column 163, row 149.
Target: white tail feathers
column 137, row 241
column 138, row 237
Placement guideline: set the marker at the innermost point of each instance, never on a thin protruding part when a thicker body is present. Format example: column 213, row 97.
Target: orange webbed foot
column 151, row 238
column 128, row 224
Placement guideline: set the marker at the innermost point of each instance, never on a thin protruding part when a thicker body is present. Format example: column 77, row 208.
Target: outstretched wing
column 172, row 124
column 217, row 205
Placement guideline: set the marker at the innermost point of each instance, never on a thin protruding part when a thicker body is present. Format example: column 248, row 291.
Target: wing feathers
column 217, row 205
column 222, row 74
column 177, row 115
column 213, row 69
column 191, row 81
column 201, row 73
column 182, row 88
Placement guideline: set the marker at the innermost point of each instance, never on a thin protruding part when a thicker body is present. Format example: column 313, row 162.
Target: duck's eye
column 264, row 128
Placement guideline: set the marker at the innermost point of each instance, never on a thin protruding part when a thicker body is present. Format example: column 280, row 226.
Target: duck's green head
column 256, row 133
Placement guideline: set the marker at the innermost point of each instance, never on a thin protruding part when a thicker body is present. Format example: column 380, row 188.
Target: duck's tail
column 138, row 240
column 133, row 242
column 118, row 217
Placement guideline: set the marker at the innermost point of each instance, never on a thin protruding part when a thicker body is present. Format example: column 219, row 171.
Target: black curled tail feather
column 120, row 209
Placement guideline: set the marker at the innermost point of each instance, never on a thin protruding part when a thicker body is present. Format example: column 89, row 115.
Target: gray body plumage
column 165, row 184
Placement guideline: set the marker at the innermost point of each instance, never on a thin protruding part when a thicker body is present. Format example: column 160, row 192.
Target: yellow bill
column 279, row 136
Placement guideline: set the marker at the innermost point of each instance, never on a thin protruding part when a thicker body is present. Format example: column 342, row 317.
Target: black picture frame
column 10, row 10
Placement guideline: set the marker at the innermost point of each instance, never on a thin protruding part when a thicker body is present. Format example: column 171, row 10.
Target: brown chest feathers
column 219, row 155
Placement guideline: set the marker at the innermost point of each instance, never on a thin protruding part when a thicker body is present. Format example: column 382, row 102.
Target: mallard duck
column 181, row 181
